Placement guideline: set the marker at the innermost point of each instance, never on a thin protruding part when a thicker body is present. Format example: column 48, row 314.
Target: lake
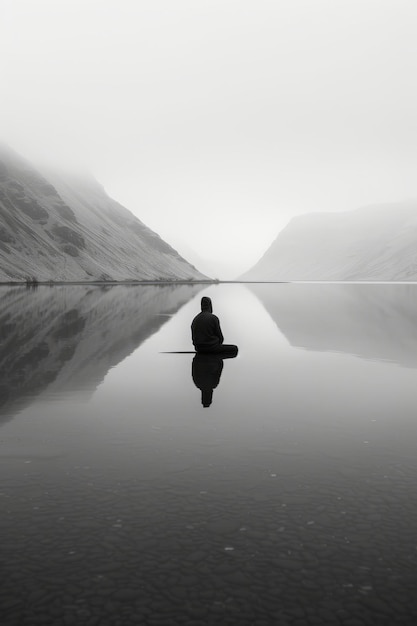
column 289, row 499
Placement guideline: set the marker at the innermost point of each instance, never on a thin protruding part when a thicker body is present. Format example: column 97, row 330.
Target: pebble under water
column 290, row 500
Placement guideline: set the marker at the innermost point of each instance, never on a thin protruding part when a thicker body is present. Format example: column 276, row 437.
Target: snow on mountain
column 63, row 228
column 374, row 322
column 66, row 338
column 378, row 242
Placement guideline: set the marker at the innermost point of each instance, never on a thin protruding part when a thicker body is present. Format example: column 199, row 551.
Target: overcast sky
column 215, row 121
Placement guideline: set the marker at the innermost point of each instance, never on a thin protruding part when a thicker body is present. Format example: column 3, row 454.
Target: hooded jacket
column 205, row 328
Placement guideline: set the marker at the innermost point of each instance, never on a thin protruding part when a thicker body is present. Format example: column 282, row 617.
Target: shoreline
column 50, row 283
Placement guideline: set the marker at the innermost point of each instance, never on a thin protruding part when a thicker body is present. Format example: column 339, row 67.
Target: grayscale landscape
column 208, row 313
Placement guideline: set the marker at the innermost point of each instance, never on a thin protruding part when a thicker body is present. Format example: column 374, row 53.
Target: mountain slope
column 69, row 229
column 371, row 243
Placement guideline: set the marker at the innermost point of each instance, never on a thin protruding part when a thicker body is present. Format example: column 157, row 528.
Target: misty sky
column 215, row 121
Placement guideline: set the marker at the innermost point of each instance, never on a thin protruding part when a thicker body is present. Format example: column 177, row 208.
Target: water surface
column 291, row 499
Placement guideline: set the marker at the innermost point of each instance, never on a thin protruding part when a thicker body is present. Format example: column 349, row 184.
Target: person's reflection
column 206, row 372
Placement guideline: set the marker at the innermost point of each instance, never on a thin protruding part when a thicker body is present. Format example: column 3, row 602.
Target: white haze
column 215, row 121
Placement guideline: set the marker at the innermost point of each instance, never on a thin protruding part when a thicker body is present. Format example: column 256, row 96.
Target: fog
column 215, row 121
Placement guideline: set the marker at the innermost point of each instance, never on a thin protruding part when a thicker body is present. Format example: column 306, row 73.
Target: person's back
column 206, row 332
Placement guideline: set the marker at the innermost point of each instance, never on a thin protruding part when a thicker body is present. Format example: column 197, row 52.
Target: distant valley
column 57, row 227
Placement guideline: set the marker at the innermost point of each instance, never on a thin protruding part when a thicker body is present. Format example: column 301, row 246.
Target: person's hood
column 206, row 304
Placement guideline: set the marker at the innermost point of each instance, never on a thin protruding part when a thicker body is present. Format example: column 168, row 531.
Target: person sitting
column 206, row 333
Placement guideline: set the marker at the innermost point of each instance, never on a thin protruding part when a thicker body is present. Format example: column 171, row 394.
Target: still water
column 290, row 500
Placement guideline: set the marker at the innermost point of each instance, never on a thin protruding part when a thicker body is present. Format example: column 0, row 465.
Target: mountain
column 66, row 228
column 377, row 242
column 65, row 339
column 374, row 322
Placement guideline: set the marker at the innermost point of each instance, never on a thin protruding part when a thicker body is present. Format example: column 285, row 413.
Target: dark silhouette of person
column 206, row 332
column 206, row 371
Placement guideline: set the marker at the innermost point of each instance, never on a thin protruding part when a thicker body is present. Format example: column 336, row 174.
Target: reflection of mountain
column 67, row 338
column 376, row 321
